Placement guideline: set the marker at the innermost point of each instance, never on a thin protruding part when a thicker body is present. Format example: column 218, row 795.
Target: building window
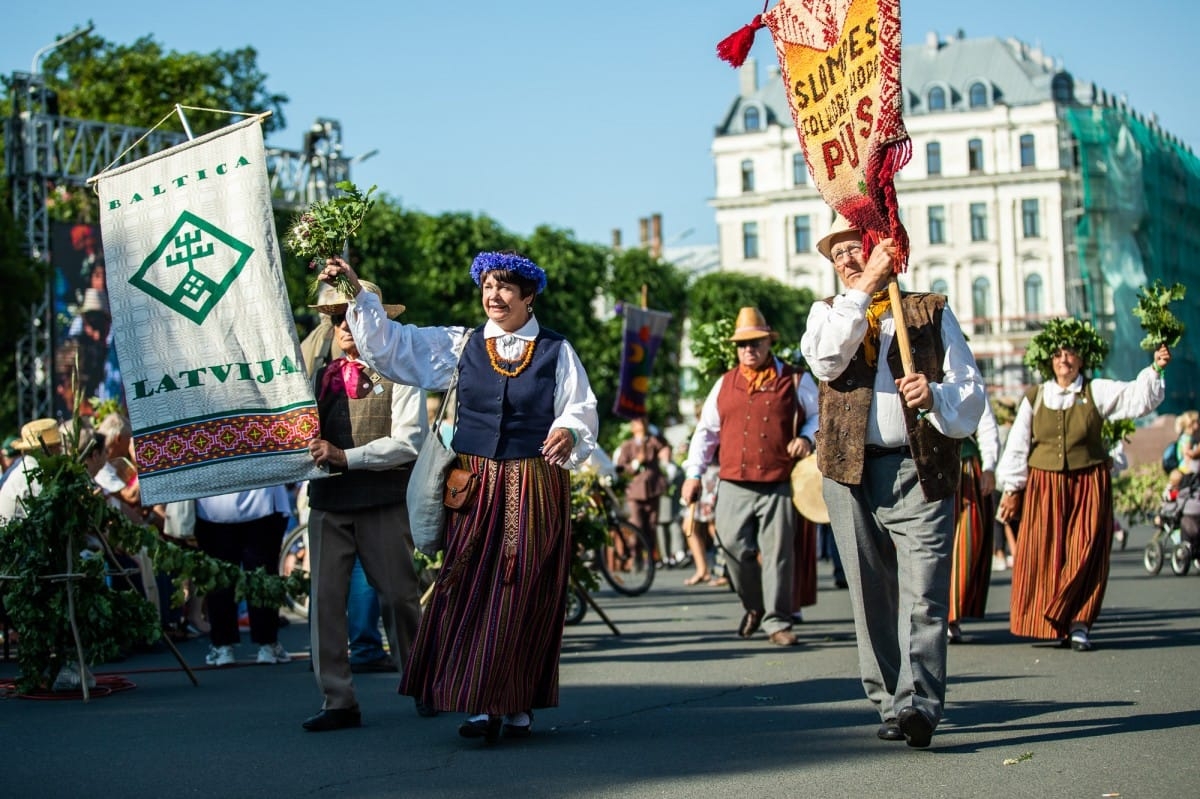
column 940, row 286
column 1030, row 221
column 802, row 234
column 980, row 290
column 937, row 224
column 749, row 240
column 933, row 158
column 975, row 155
column 1062, row 88
column 747, row 175
column 937, row 99
column 1033, row 295
column 978, row 221
column 978, row 95
column 799, row 170
column 1028, row 160
column 750, row 119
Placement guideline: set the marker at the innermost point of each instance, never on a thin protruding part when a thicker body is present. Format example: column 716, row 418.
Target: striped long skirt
column 1060, row 568
column 971, row 563
column 490, row 637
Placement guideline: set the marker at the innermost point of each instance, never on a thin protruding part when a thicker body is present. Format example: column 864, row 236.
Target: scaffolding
column 44, row 151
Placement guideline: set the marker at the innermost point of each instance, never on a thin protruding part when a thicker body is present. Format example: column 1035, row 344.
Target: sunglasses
column 336, row 319
column 752, row 343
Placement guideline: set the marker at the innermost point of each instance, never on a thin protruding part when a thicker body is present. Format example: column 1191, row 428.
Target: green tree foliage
column 717, row 297
column 137, row 84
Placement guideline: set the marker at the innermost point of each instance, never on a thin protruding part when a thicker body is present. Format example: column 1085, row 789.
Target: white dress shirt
column 1115, row 399
column 428, row 356
column 832, row 337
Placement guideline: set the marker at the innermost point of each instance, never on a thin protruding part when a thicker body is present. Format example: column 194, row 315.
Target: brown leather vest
column 845, row 403
column 348, row 423
column 1069, row 439
column 756, row 428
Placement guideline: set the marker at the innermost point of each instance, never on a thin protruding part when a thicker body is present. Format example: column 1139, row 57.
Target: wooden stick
column 901, row 327
column 645, row 297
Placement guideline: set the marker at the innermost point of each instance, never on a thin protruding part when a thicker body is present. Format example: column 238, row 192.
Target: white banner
column 209, row 357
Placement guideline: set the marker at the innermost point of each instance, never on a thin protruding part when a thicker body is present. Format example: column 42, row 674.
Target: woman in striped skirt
column 971, row 562
column 489, row 639
column 1055, row 475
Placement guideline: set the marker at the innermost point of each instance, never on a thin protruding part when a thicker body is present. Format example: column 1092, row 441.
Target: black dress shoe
column 916, row 726
column 890, row 731
column 333, row 719
column 750, row 623
column 377, row 666
column 519, row 730
column 488, row 729
column 425, row 710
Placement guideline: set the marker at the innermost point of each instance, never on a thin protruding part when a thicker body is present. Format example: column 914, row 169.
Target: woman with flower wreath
column 488, row 644
column 1056, row 467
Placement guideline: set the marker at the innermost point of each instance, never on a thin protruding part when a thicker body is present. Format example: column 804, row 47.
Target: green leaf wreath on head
column 1154, row 312
column 326, row 227
column 1072, row 334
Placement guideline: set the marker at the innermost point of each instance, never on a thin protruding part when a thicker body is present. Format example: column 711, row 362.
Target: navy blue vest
column 505, row 418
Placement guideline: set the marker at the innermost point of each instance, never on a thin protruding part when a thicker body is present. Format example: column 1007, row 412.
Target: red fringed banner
column 840, row 60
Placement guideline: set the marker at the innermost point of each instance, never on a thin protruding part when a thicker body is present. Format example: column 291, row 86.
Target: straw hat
column 806, row 491
column 750, row 325
column 37, row 433
column 841, row 230
column 331, row 302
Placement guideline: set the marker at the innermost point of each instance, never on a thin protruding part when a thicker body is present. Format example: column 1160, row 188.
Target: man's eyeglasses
column 848, row 251
column 753, row 343
column 336, row 319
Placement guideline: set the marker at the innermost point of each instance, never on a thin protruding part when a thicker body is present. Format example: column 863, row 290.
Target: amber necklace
column 495, row 358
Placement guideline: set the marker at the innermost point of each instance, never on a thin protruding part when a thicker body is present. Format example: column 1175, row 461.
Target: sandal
column 720, row 582
column 697, row 579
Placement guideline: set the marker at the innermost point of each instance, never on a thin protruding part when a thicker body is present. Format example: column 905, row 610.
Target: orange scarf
column 880, row 305
column 756, row 379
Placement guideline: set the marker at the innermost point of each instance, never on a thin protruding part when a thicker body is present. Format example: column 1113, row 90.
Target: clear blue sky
column 583, row 116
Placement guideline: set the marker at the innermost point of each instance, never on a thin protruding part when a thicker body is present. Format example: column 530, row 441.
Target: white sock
column 517, row 719
column 478, row 717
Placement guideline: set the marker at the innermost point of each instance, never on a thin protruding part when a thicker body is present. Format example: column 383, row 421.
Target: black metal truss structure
column 44, row 150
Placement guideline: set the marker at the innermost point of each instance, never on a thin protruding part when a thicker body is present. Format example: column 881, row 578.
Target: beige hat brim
column 841, row 231
column 391, row 309
column 750, row 335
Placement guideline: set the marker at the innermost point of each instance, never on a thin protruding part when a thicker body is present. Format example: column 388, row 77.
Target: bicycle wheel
column 576, row 606
column 627, row 562
column 293, row 554
column 1152, row 557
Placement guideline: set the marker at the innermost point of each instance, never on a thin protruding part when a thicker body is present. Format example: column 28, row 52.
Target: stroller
column 1179, row 500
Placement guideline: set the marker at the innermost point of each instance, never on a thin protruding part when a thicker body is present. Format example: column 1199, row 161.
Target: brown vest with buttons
column 756, row 428
column 1068, row 439
column 845, row 403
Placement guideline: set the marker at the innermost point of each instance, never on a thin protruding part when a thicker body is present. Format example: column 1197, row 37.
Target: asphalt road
column 676, row 706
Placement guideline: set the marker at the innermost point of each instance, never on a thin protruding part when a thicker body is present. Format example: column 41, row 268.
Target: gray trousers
column 753, row 518
column 382, row 540
column 895, row 548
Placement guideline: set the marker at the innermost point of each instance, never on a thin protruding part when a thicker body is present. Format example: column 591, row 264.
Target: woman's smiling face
column 503, row 303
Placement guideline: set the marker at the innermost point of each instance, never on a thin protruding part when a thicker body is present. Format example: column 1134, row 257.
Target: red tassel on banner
column 736, row 46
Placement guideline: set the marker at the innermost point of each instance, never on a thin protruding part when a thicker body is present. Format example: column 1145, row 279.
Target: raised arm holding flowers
column 325, row 229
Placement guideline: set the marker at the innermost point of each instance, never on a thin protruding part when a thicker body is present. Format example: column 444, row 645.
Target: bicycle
column 293, row 554
column 626, row 559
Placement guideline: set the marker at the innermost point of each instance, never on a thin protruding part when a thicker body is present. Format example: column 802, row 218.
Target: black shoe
column 916, row 726
column 333, row 719
column 488, row 729
column 890, row 731
column 840, row 583
column 519, row 730
column 425, row 710
column 1080, row 641
column 377, row 666
column 750, row 623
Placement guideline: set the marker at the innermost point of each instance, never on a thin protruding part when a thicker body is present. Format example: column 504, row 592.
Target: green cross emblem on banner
column 192, row 267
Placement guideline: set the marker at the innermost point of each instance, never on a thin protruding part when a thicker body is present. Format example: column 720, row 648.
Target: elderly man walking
column 889, row 452
column 758, row 419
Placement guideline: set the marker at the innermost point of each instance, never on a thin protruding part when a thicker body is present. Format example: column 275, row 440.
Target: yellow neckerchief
column 875, row 311
column 757, row 378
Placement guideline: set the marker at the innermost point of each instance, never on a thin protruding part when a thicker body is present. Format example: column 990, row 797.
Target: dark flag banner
column 643, row 334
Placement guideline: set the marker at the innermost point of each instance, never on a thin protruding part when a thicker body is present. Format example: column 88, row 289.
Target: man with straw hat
column 888, row 448
column 38, row 436
column 371, row 432
column 758, row 419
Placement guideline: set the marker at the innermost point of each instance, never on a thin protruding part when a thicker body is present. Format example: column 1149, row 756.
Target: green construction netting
column 1140, row 222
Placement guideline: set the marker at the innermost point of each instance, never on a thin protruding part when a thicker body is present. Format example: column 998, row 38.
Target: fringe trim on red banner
column 894, row 156
column 736, row 46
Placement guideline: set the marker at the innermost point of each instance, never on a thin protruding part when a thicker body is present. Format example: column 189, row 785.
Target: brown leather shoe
column 750, row 623
column 783, row 638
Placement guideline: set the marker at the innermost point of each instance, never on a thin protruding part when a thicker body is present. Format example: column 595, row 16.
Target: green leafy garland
column 68, row 516
column 1154, row 312
column 1071, row 333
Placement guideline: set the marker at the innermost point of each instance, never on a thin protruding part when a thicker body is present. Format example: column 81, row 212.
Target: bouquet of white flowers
column 325, row 228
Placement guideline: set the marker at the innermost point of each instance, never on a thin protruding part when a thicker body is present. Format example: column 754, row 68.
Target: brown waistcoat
column 845, row 403
column 1068, row 439
column 756, row 428
column 348, row 423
